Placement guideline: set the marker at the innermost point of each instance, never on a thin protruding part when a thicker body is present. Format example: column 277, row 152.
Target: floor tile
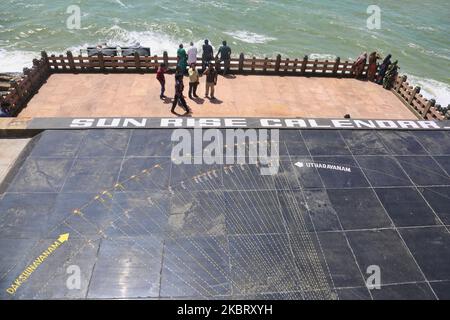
column 358, row 209
column 384, row 249
column 406, row 207
column 431, row 248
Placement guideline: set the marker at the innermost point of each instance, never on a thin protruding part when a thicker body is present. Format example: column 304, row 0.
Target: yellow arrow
column 63, row 238
column 36, row 263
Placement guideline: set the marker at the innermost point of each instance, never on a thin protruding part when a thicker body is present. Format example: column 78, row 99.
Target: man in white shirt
column 192, row 54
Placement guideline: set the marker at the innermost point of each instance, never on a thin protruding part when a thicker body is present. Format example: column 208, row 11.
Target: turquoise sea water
column 415, row 32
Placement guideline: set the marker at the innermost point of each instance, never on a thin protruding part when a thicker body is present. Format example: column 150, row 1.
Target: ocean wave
column 322, row 56
column 15, row 61
column 427, row 51
column 249, row 37
column 158, row 42
column 431, row 89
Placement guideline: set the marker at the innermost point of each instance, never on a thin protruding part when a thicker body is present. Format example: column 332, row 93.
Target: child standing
column 211, row 80
column 162, row 80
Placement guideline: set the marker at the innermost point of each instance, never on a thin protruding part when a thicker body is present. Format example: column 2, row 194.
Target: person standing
column 358, row 66
column 225, row 56
column 211, row 80
column 161, row 78
column 194, row 78
column 391, row 75
column 207, row 55
column 179, row 98
column 192, row 54
column 383, row 68
column 182, row 59
column 372, row 69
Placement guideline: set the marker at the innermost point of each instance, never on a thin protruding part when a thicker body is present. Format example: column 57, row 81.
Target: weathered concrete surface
column 98, row 95
column 9, row 151
column 13, row 123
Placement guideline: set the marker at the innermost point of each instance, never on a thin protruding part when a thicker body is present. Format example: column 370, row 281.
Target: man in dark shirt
column 179, row 98
column 211, row 80
column 225, row 56
column 207, row 55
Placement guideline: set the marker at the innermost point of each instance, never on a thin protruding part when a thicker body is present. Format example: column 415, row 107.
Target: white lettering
column 271, row 122
column 342, row 123
column 428, row 124
column 235, row 122
column 82, row 123
column 361, row 123
column 175, row 122
column 386, row 124
column 103, row 123
column 291, row 123
column 136, row 123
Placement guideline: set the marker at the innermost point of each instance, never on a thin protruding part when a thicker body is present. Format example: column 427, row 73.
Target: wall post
column 402, row 80
column 277, row 63
column 166, row 59
column 101, row 62
column 44, row 58
column 304, row 63
column 241, row 62
column 336, row 65
column 137, row 61
column 415, row 91
column 71, row 62
column 428, row 106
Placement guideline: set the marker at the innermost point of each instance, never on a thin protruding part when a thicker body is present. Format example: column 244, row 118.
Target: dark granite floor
column 143, row 227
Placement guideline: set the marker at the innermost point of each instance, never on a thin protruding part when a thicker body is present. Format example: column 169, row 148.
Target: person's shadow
column 229, row 76
column 167, row 100
column 198, row 100
column 185, row 114
column 215, row 100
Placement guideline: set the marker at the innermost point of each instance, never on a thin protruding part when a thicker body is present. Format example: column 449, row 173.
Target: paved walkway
column 10, row 150
column 97, row 95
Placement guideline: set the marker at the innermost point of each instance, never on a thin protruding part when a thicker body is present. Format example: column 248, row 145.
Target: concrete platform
column 101, row 95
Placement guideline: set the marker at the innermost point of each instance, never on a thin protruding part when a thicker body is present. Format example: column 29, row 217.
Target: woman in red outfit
column 372, row 70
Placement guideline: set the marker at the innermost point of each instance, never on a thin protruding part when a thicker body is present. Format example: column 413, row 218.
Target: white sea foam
column 322, row 56
column 15, row 61
column 432, row 89
column 158, row 42
column 249, row 37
